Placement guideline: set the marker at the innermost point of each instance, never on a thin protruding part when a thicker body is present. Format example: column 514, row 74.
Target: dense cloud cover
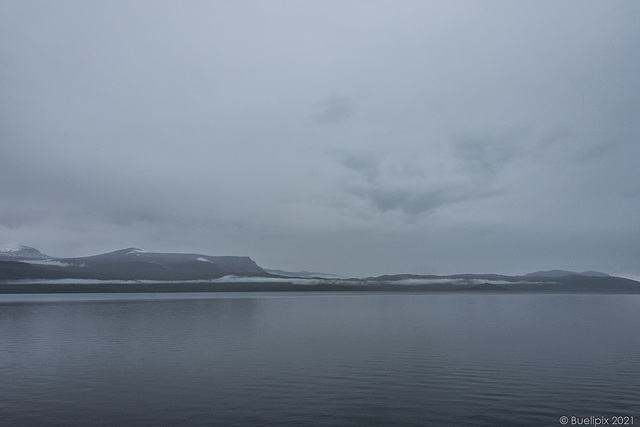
column 351, row 137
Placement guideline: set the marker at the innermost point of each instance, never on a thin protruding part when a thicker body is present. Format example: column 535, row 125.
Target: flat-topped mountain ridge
column 128, row 264
column 133, row 269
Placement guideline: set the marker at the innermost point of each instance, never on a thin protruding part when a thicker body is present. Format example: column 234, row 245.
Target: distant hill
column 546, row 282
column 561, row 273
column 27, row 270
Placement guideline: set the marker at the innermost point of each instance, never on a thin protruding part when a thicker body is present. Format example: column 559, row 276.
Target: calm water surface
column 317, row 359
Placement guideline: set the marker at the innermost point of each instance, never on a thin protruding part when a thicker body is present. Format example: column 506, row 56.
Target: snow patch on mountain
column 10, row 248
column 17, row 252
column 136, row 251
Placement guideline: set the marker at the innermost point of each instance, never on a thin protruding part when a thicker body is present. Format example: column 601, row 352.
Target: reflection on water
column 317, row 359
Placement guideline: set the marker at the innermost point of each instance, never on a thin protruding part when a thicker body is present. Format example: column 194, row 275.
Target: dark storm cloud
column 336, row 109
column 488, row 154
column 404, row 185
column 414, row 202
column 365, row 164
column 411, row 202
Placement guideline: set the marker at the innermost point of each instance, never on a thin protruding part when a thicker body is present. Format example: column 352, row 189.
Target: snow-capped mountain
column 20, row 252
column 124, row 264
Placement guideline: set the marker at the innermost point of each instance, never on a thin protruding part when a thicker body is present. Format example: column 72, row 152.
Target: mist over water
column 317, row 359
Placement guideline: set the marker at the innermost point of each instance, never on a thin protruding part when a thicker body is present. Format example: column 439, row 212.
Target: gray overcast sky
column 354, row 137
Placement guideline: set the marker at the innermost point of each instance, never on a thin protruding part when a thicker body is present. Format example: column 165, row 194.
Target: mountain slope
column 130, row 264
column 561, row 273
column 20, row 252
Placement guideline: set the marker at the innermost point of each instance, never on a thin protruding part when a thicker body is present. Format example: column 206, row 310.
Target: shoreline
column 241, row 287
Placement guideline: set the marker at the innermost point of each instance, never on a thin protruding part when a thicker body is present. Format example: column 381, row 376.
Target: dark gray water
column 318, row 359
